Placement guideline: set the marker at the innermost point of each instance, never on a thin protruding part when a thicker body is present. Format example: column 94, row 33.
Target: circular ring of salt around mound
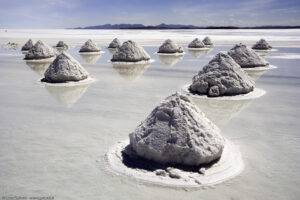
column 229, row 166
column 256, row 93
column 24, row 52
column 70, row 83
column 262, row 68
column 42, row 60
column 209, row 46
column 94, row 52
column 170, row 54
column 131, row 63
column 269, row 50
column 198, row 49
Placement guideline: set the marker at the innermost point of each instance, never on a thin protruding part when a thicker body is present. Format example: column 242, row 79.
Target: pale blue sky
column 73, row 13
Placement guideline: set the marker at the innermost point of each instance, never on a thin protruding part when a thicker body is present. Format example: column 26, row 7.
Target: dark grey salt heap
column 64, row 69
column 115, row 43
column 177, row 132
column 207, row 41
column 27, row 45
column 262, row 45
column 61, row 44
column 89, row 47
column 221, row 76
column 40, row 51
column 246, row 57
column 196, row 43
column 130, row 52
column 170, row 46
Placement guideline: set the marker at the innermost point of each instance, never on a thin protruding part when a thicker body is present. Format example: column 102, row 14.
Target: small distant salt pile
column 196, row 43
column 89, row 46
column 63, row 69
column 262, row 45
column 115, row 43
column 61, row 44
column 177, row 132
column 170, row 46
column 11, row 45
column 130, row 52
column 221, row 76
column 27, row 45
column 207, row 41
column 40, row 51
column 246, row 57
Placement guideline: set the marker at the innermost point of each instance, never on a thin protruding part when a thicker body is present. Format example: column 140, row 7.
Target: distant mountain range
column 178, row 26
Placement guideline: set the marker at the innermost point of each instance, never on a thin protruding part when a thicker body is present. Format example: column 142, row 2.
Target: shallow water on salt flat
column 52, row 140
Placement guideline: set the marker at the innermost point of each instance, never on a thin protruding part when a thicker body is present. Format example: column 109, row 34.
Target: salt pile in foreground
column 40, row 51
column 65, row 69
column 221, row 76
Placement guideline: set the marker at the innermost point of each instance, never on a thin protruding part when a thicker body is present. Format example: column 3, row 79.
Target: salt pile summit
column 89, row 47
column 246, row 57
column 130, row 52
column 27, row 45
column 170, row 47
column 64, row 69
column 115, row 43
column 221, row 76
column 40, row 51
column 62, row 44
column 207, row 41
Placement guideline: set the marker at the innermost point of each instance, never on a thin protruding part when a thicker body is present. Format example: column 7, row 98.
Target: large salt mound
column 130, row 52
column 27, row 45
column 207, row 41
column 61, row 44
column 89, row 46
column 246, row 57
column 63, row 69
column 170, row 46
column 196, row 43
column 40, row 51
column 115, row 43
column 177, row 132
column 221, row 76
column 262, row 45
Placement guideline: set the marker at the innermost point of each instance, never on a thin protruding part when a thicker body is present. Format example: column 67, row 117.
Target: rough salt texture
column 207, row 41
column 221, row 76
column 246, row 57
column 130, row 52
column 89, row 46
column 115, row 43
column 177, row 132
column 11, row 45
column 63, row 69
column 196, row 43
column 61, row 44
column 27, row 45
column 40, row 51
column 170, row 47
column 262, row 45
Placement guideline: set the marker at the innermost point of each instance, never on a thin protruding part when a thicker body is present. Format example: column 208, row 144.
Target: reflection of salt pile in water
column 64, row 69
column 40, row 51
column 207, row 42
column 90, row 58
column 130, row 52
column 221, row 112
column 170, row 47
column 89, row 47
column 131, row 72
column 221, row 76
column 246, row 57
column 261, row 45
column 39, row 67
column 170, row 60
column 62, row 44
column 176, row 145
column 115, row 43
column 27, row 45
column 254, row 75
column 67, row 95
column 11, row 45
column 197, row 53
column 196, row 43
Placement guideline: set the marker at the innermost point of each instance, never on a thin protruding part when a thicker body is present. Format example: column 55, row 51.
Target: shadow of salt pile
column 90, row 58
column 197, row 53
column 67, row 96
column 38, row 67
column 131, row 72
column 221, row 112
column 170, row 60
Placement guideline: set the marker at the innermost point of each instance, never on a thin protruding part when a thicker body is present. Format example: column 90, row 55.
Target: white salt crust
column 262, row 68
column 70, row 83
column 90, row 53
column 170, row 54
column 131, row 63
